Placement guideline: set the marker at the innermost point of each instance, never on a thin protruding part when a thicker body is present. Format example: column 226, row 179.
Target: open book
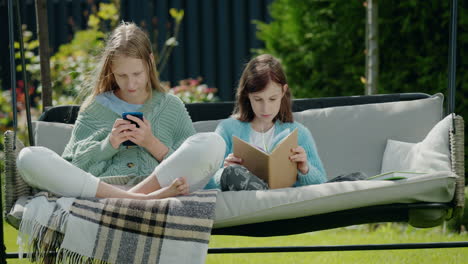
column 275, row 168
column 395, row 176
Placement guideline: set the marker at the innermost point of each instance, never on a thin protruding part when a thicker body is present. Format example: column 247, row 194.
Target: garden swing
column 379, row 125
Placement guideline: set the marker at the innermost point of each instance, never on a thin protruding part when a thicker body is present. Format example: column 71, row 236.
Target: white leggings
column 197, row 159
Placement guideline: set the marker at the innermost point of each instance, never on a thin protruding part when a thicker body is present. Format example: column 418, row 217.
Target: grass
column 382, row 234
column 10, row 243
column 385, row 233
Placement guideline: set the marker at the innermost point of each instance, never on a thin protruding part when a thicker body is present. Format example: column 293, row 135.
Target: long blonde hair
column 126, row 40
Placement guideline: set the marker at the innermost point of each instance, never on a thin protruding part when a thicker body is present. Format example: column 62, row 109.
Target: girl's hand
column 142, row 135
column 300, row 157
column 231, row 160
column 120, row 131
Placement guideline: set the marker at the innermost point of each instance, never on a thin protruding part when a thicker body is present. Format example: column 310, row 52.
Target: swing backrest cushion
column 52, row 135
column 353, row 138
column 349, row 138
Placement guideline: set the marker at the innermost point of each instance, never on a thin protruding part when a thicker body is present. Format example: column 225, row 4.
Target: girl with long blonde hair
column 103, row 145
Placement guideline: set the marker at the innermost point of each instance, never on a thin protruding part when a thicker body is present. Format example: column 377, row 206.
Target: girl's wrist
column 304, row 170
column 113, row 143
column 158, row 149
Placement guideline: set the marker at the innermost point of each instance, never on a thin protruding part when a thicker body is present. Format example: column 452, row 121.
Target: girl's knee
column 27, row 161
column 32, row 160
column 215, row 147
column 29, row 157
column 209, row 143
column 216, row 142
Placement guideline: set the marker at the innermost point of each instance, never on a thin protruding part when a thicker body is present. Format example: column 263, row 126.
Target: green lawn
column 385, row 233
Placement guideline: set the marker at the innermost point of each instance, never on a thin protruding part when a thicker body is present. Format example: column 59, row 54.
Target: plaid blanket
column 173, row 230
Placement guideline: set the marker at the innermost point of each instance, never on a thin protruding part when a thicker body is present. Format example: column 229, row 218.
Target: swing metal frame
column 372, row 214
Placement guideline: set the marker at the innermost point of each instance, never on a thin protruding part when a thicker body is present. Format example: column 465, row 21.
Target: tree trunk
column 44, row 52
column 372, row 48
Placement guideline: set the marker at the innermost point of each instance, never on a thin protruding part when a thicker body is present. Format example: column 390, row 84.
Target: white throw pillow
column 430, row 155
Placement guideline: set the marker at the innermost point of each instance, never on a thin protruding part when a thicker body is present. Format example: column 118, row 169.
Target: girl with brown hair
column 263, row 111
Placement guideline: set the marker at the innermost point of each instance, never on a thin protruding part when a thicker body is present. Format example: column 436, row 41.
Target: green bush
column 322, row 45
column 73, row 61
column 77, row 59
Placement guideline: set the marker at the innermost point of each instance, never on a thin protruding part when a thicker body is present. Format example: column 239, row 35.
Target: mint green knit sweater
column 89, row 147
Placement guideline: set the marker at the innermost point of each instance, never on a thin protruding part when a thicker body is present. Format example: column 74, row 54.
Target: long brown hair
column 126, row 40
column 260, row 71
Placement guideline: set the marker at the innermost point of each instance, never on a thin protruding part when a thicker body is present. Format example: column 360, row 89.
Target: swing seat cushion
column 246, row 207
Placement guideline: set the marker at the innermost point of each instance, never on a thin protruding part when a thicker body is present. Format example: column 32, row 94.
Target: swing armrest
column 457, row 152
column 14, row 186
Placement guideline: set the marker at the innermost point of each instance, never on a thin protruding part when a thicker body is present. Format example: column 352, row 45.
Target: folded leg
column 44, row 169
column 196, row 160
column 239, row 178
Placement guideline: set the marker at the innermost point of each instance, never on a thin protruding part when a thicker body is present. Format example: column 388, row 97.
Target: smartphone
column 135, row 114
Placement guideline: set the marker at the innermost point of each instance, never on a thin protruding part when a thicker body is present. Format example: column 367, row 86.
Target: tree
column 372, row 47
column 44, row 54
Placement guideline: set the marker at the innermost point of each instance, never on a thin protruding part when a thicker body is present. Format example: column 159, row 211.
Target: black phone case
column 124, row 116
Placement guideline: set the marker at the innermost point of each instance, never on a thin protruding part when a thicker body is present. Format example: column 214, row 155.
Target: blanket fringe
column 70, row 257
column 43, row 245
column 41, row 242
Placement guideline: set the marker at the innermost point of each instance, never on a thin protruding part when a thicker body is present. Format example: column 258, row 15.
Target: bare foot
column 178, row 187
